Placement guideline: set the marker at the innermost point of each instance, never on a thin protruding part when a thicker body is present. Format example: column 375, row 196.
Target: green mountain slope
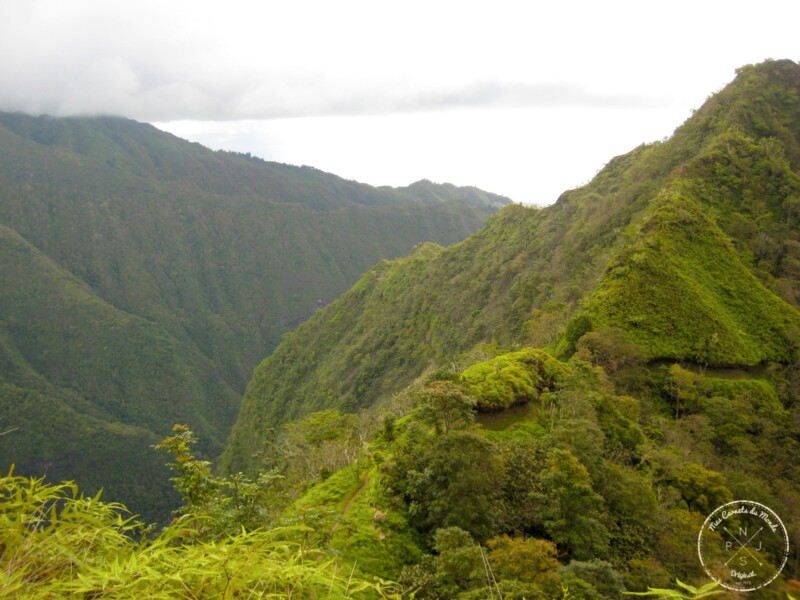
column 710, row 214
column 143, row 277
column 666, row 384
column 85, row 386
column 682, row 293
column 226, row 252
column 124, row 367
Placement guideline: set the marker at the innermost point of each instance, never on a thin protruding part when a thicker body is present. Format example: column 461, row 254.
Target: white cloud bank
column 316, row 81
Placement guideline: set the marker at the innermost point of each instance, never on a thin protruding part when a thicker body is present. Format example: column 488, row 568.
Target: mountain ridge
column 148, row 275
column 524, row 278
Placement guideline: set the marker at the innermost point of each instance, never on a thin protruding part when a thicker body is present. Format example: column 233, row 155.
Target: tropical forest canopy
column 578, row 385
column 549, row 408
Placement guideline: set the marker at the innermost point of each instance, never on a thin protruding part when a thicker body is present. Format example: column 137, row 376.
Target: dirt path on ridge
column 346, row 509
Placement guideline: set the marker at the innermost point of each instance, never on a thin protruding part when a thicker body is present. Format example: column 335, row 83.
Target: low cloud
column 492, row 94
column 197, row 59
column 114, row 86
column 160, row 61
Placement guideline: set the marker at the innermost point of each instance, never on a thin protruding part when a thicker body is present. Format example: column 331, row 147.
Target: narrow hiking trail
column 349, row 504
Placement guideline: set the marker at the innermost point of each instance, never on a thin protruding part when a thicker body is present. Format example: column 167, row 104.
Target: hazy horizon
column 518, row 99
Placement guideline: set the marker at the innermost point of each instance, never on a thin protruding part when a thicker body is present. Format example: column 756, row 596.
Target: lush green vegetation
column 687, row 245
column 662, row 299
column 57, row 543
column 595, row 495
column 599, row 491
column 681, row 292
column 512, row 378
column 548, row 409
column 144, row 277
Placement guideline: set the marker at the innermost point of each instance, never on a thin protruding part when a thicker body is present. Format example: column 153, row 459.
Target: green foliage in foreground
column 57, row 543
column 591, row 494
column 687, row 592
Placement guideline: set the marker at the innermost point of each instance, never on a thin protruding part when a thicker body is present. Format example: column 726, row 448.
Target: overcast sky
column 525, row 99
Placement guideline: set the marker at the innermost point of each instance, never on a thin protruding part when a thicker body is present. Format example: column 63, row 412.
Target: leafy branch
column 689, row 591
